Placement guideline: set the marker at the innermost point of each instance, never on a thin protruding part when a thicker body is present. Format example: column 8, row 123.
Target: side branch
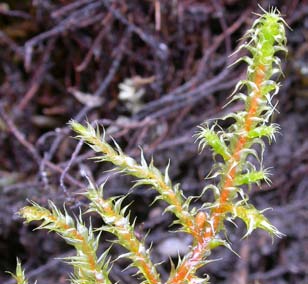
column 146, row 174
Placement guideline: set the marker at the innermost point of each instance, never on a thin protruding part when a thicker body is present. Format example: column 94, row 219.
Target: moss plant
column 240, row 166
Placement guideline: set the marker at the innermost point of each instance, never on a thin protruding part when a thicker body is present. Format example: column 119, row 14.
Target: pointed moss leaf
column 208, row 136
column 254, row 219
column 268, row 131
column 216, row 242
column 251, row 177
column 19, row 275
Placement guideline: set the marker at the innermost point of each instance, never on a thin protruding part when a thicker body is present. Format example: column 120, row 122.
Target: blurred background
column 150, row 71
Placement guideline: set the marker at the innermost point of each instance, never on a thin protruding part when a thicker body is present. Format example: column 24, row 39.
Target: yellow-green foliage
column 19, row 275
column 87, row 267
column 236, row 171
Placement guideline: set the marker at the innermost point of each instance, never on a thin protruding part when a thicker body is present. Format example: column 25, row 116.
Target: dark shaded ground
column 65, row 59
